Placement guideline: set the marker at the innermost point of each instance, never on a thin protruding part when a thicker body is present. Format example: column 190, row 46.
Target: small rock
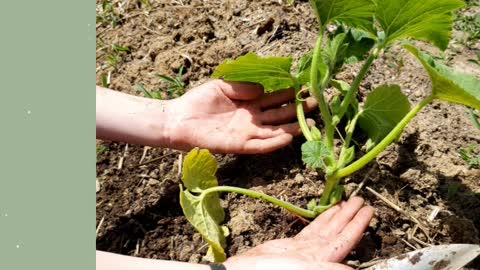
column 153, row 174
column 153, row 182
column 98, row 186
column 418, row 93
column 299, row 178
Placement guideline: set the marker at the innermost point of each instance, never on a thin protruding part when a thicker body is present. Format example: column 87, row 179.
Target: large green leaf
column 384, row 108
column 199, row 213
column 354, row 13
column 447, row 84
column 314, row 154
column 427, row 20
column 273, row 73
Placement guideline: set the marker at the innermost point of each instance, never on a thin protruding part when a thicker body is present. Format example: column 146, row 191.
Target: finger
column 315, row 228
column 286, row 113
column 294, row 129
column 276, row 99
column 351, row 234
column 262, row 146
column 343, row 217
column 239, row 91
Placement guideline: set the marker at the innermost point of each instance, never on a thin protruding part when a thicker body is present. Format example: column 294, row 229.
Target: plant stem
column 254, row 194
column 394, row 133
column 355, row 85
column 301, row 115
column 330, row 185
column 316, row 92
column 350, row 130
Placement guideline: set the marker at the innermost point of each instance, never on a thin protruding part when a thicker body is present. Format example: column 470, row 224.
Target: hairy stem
column 301, row 115
column 254, row 194
column 317, row 92
column 355, row 85
column 394, row 133
column 350, row 130
column 330, row 185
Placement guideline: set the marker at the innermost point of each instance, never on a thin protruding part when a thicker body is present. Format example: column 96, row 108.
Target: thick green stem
column 317, row 92
column 355, row 85
column 301, row 115
column 254, row 194
column 330, row 185
column 394, row 134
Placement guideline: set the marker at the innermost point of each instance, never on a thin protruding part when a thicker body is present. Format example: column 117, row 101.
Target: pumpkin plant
column 364, row 29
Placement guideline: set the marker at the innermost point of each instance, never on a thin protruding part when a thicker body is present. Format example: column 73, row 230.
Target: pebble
column 153, row 182
column 299, row 178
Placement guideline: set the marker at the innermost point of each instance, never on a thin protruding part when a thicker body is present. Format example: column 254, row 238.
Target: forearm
column 132, row 119
column 110, row 261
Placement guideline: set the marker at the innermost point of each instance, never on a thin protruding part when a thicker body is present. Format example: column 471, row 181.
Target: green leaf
column 314, row 154
column 204, row 211
column 143, row 90
column 447, row 84
column 341, row 86
column 199, row 168
column 199, row 213
column 354, row 13
column 273, row 73
column 383, row 109
column 333, row 52
column 347, row 156
column 303, row 70
column 359, row 44
column 427, row 20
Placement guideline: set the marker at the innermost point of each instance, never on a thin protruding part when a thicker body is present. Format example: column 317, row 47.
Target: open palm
column 236, row 118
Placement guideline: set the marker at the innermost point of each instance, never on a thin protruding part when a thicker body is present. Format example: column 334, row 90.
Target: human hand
column 235, row 118
column 320, row 246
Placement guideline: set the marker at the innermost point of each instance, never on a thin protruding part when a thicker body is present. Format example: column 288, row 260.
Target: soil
column 138, row 203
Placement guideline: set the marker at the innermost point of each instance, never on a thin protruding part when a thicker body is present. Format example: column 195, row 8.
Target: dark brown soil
column 139, row 204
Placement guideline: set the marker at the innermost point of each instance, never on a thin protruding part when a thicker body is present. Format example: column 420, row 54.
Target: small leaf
column 273, row 73
column 303, row 70
column 447, row 84
column 359, row 44
column 314, row 153
column 358, row 13
column 316, row 134
column 333, row 52
column 427, row 20
column 199, row 168
column 199, row 214
column 342, row 86
column 347, row 156
column 383, row 109
column 143, row 90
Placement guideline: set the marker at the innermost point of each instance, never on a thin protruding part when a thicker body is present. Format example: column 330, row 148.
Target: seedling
column 115, row 56
column 469, row 157
column 175, row 89
column 176, row 86
column 106, row 14
column 383, row 115
column 149, row 94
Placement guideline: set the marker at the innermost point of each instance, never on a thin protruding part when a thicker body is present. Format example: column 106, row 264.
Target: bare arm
column 132, row 119
column 110, row 261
